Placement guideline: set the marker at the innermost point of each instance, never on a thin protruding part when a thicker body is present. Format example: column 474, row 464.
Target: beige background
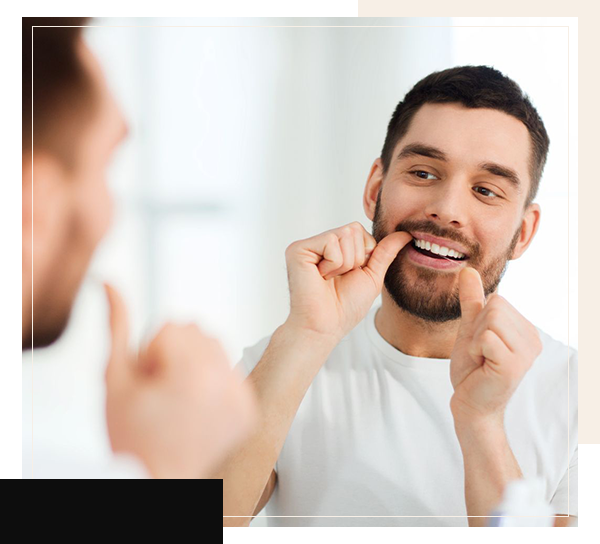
column 588, row 46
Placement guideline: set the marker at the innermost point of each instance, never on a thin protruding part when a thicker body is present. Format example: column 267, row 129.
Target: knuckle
column 332, row 239
column 166, row 330
column 488, row 337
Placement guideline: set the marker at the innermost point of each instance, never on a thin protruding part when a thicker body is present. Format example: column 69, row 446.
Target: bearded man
column 422, row 410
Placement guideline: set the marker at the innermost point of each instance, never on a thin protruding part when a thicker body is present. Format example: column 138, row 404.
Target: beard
column 54, row 291
column 422, row 297
column 50, row 319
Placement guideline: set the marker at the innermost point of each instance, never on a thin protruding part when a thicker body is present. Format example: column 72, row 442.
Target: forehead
column 470, row 136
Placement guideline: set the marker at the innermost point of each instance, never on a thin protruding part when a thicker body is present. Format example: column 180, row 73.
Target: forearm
column 489, row 464
column 280, row 381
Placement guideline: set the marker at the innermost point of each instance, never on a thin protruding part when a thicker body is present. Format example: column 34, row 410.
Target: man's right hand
column 177, row 405
column 335, row 277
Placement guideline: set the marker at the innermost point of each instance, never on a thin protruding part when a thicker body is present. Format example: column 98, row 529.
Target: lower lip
column 431, row 262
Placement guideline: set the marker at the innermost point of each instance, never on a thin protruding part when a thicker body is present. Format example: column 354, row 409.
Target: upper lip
column 440, row 242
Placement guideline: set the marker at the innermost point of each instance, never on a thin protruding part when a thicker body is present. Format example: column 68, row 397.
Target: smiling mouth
column 424, row 251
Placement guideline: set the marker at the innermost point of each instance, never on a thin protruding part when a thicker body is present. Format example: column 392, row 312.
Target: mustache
column 435, row 230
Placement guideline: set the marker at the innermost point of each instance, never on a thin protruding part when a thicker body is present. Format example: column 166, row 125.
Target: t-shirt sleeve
column 564, row 500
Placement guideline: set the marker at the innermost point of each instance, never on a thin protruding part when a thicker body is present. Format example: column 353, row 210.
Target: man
column 176, row 406
column 429, row 405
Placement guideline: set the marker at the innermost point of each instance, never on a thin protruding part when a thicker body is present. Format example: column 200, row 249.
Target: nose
column 448, row 203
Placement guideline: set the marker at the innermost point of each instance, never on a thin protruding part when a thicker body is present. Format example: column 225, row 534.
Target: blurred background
column 248, row 134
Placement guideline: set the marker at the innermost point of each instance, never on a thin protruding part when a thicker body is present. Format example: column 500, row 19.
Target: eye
column 485, row 192
column 418, row 173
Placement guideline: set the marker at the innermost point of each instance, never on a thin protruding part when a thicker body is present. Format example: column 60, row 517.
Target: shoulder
column 554, row 373
column 556, row 354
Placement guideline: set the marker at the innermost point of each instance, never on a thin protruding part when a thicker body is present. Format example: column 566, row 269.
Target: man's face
column 457, row 181
column 80, row 216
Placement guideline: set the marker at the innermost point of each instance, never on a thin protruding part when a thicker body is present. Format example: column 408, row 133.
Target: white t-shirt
column 374, row 436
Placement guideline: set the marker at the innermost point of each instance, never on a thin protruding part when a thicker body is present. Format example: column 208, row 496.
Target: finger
column 359, row 247
column 370, row 244
column 524, row 327
column 497, row 317
column 472, row 298
column 347, row 247
column 119, row 329
column 332, row 257
column 384, row 253
column 173, row 344
column 491, row 347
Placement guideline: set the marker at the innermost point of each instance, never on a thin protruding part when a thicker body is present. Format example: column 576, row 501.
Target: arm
column 562, row 520
column 333, row 278
column 266, row 493
column 489, row 465
column 494, row 348
column 279, row 390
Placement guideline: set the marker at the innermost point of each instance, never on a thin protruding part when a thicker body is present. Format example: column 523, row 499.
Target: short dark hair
column 62, row 89
column 473, row 87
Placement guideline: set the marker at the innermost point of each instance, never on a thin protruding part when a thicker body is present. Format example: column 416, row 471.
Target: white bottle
column 523, row 505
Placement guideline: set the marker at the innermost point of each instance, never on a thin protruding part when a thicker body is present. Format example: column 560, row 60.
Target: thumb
column 119, row 330
column 385, row 252
column 472, row 296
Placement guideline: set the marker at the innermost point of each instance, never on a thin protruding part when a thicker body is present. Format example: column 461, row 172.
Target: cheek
column 94, row 211
column 404, row 203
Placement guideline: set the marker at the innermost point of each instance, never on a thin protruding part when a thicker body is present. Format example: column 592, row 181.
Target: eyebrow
column 424, row 150
column 501, row 171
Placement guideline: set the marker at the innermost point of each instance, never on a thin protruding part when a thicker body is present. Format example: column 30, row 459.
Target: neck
column 412, row 335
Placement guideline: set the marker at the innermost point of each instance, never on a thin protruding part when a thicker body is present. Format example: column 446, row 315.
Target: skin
column 175, row 405
column 451, row 202
column 334, row 278
column 71, row 213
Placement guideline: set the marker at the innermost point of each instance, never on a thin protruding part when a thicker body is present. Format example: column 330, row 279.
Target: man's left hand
column 494, row 349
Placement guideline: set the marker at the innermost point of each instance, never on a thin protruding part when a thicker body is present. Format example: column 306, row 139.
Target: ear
column 372, row 188
column 529, row 226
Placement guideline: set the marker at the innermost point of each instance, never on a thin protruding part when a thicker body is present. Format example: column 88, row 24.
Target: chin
column 47, row 338
column 46, row 330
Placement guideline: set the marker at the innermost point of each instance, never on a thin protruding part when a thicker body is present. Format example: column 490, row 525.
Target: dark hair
column 62, row 89
column 473, row 87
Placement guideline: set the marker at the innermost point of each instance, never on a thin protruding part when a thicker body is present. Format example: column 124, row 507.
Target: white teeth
column 439, row 250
